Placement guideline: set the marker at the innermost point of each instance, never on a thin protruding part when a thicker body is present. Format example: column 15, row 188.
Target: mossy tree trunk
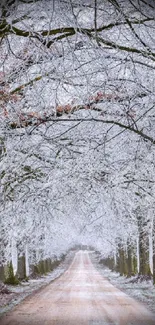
column 135, row 265
column 154, row 251
column 2, row 273
column 129, row 260
column 122, row 260
column 144, row 267
column 21, row 271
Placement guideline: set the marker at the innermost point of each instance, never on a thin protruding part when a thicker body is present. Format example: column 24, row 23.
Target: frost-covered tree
column 77, row 116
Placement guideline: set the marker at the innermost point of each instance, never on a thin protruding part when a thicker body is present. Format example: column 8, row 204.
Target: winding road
column 81, row 296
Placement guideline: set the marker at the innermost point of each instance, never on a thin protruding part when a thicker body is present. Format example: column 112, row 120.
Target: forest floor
column 81, row 296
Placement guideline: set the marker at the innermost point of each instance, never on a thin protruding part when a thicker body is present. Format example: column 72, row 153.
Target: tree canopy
column 77, row 123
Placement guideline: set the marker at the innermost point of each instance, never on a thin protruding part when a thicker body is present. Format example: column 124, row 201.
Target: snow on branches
column 77, row 124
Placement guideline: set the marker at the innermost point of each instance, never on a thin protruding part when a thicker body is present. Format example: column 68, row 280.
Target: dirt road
column 81, row 296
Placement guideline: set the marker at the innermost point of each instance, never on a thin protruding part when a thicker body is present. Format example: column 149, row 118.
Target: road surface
column 81, row 296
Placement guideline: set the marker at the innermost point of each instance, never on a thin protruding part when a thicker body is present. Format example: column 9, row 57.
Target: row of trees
column 77, row 130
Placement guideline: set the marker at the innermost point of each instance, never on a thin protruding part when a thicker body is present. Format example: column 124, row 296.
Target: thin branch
column 121, row 125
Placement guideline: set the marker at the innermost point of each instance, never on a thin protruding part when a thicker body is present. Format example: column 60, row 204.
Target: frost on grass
column 144, row 291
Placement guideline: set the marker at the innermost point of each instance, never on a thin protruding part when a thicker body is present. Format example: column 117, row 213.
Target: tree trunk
column 144, row 267
column 21, row 267
column 154, row 251
column 14, row 256
column 129, row 260
column 27, row 261
column 122, row 265
column 151, row 250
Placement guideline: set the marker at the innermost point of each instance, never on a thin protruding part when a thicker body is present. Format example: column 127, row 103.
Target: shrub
column 10, row 277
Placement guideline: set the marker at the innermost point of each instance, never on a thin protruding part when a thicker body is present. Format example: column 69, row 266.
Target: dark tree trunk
column 21, row 271
column 144, row 268
column 154, row 251
column 129, row 260
column 122, row 261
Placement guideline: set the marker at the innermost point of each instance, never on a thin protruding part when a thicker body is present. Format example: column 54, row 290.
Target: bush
column 10, row 277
